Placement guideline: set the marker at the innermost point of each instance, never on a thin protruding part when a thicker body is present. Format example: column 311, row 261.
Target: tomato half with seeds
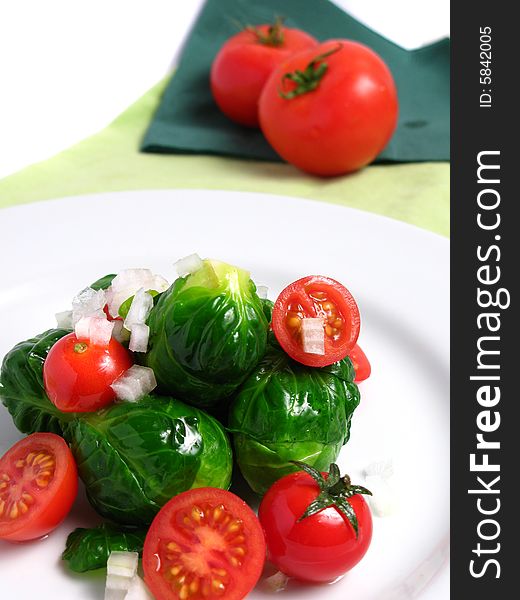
column 314, row 297
column 77, row 374
column 38, row 485
column 361, row 364
column 204, row 543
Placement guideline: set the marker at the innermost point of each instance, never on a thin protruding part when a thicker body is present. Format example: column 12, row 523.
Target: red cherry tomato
column 361, row 365
column 320, row 547
column 38, row 485
column 338, row 117
column 204, row 543
column 77, row 374
column 316, row 296
column 244, row 63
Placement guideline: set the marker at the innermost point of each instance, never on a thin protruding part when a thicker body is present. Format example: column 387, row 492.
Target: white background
column 67, row 68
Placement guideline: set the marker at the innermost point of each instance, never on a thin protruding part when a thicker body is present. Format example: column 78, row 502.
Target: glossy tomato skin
column 79, row 381
column 361, row 364
column 320, row 548
column 297, row 292
column 48, row 500
column 182, row 536
column 243, row 65
column 344, row 123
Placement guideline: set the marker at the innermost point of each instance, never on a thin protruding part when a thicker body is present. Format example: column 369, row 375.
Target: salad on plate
column 150, row 393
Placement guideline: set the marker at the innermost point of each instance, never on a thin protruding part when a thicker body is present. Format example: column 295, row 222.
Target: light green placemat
column 417, row 193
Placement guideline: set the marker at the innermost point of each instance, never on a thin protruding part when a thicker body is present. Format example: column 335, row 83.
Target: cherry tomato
column 331, row 109
column 38, row 485
column 361, row 365
column 316, row 296
column 204, row 543
column 77, row 374
column 244, row 63
column 322, row 546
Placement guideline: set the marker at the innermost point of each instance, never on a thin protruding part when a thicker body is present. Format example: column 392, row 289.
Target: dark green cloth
column 188, row 120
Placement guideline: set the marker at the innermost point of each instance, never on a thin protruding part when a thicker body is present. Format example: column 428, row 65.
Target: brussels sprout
column 88, row 549
column 21, row 385
column 286, row 411
column 207, row 332
column 134, row 457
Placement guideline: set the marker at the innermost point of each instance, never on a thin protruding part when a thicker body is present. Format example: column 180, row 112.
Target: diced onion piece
column 313, row 335
column 126, row 283
column 121, row 570
column 96, row 329
column 82, row 328
column 188, row 265
column 140, row 308
column 100, row 331
column 138, row 590
column 64, row 320
column 134, row 383
column 277, row 582
column 262, row 291
column 87, row 303
column 139, row 337
column 120, row 333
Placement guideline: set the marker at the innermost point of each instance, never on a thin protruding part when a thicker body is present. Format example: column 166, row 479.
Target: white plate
column 399, row 276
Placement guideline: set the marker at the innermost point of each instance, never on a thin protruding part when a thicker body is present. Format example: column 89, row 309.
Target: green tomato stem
column 308, row 79
column 274, row 36
column 334, row 491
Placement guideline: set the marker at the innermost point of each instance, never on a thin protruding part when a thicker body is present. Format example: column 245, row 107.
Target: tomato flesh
column 316, row 297
column 361, row 364
column 38, row 485
column 77, row 374
column 204, row 543
column 319, row 548
column 243, row 65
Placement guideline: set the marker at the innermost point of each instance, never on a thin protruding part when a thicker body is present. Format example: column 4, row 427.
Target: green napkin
column 188, row 120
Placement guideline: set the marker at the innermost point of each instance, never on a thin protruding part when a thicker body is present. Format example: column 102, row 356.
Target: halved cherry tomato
column 244, row 63
column 204, row 543
column 316, row 297
column 324, row 545
column 77, row 374
column 38, row 485
column 361, row 365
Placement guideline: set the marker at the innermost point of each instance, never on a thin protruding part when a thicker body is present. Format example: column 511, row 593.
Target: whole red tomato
column 317, row 526
column 244, row 63
column 330, row 110
column 77, row 374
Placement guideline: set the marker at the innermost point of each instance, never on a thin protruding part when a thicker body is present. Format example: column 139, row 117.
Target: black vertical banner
column 485, row 424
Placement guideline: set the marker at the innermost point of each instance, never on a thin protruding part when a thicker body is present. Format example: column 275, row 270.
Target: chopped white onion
column 262, row 291
column 120, row 333
column 96, row 329
column 126, row 283
column 188, row 265
column 134, row 383
column 313, row 335
column 121, row 570
column 64, row 320
column 139, row 337
column 87, row 303
column 277, row 582
column 82, row 328
column 138, row 590
column 140, row 308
